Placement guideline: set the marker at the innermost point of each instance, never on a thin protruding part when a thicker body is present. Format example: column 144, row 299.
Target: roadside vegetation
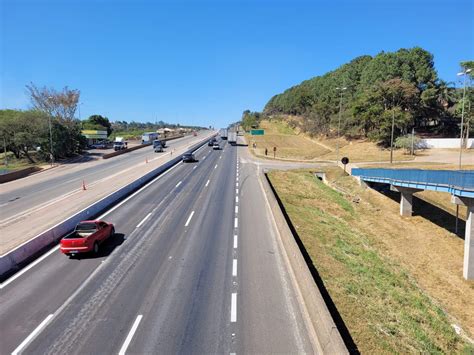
column 360, row 99
column 293, row 144
column 396, row 282
column 26, row 135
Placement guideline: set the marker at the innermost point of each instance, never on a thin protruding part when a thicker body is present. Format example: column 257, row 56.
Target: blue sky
column 204, row 62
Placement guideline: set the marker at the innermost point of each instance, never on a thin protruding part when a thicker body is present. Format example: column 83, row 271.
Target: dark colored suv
column 211, row 142
column 188, row 157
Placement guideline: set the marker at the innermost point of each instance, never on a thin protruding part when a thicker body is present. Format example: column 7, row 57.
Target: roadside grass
column 17, row 164
column 362, row 150
column 288, row 144
column 369, row 259
column 293, row 145
column 439, row 199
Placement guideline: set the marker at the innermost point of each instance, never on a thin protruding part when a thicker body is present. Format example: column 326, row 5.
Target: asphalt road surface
column 23, row 194
column 194, row 268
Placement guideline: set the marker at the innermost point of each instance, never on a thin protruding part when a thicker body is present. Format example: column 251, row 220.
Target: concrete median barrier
column 18, row 174
column 328, row 338
column 21, row 255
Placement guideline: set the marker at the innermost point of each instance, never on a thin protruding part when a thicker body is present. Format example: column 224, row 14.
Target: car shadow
column 106, row 248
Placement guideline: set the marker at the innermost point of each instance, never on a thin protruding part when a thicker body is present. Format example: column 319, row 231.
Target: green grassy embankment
column 396, row 282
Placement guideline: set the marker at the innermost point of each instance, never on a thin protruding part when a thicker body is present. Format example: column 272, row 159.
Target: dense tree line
column 371, row 91
column 24, row 131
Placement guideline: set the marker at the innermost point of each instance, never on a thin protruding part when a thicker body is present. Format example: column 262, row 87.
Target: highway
column 25, row 194
column 195, row 267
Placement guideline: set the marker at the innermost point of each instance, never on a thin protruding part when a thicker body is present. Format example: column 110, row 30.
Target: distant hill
column 403, row 84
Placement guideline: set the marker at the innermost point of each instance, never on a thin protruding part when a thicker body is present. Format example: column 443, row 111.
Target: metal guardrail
column 458, row 179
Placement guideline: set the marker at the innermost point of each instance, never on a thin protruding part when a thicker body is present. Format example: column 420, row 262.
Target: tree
column 98, row 122
column 23, row 131
column 393, row 99
column 408, row 142
column 61, row 106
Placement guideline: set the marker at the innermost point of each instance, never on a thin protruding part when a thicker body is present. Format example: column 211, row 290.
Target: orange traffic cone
column 146, row 160
column 84, row 185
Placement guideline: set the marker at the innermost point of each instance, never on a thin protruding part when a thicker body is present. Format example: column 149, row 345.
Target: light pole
column 463, row 73
column 50, row 135
column 341, row 89
column 391, row 136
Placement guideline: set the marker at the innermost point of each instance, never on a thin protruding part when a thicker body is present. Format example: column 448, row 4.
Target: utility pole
column 464, row 73
column 51, row 154
column 391, row 138
column 341, row 89
column 461, row 145
column 413, row 141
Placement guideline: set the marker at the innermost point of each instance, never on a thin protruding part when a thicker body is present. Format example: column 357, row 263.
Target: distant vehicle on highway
column 211, row 141
column 158, row 142
column 232, row 136
column 158, row 148
column 100, row 145
column 87, row 237
column 120, row 143
column 216, row 146
column 149, row 137
column 223, row 133
column 188, row 158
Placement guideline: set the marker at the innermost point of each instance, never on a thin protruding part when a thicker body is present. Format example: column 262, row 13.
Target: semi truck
column 223, row 133
column 232, row 137
column 149, row 137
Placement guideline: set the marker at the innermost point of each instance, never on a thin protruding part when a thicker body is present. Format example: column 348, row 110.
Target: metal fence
column 459, row 179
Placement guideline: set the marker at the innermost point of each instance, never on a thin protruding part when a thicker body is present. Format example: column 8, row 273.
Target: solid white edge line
column 207, row 183
column 130, row 335
column 189, row 219
column 235, row 241
column 32, row 335
column 236, row 222
column 143, row 220
column 234, row 267
column 33, row 264
column 37, row 261
column 233, row 308
column 179, row 183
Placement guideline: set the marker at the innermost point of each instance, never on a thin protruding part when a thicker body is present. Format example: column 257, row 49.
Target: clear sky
column 204, row 62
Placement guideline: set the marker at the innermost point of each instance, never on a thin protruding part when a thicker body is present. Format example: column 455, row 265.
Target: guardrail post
column 468, row 268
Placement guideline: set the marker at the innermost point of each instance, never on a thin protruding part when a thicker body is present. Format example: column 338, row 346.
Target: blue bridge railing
column 457, row 182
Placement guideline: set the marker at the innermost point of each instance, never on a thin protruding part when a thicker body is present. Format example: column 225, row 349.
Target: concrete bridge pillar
column 468, row 269
column 406, row 199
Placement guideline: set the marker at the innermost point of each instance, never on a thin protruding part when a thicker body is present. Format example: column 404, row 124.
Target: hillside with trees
column 368, row 92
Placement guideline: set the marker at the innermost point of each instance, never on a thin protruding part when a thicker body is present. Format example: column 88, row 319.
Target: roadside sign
column 345, row 161
column 257, row 132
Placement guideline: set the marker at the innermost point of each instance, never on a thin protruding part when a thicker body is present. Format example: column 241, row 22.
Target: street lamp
column 341, row 89
column 50, row 136
column 463, row 73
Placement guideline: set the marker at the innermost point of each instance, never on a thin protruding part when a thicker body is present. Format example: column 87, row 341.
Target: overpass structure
column 459, row 183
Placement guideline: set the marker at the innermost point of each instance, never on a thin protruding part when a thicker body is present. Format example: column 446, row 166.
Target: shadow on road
column 106, row 248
